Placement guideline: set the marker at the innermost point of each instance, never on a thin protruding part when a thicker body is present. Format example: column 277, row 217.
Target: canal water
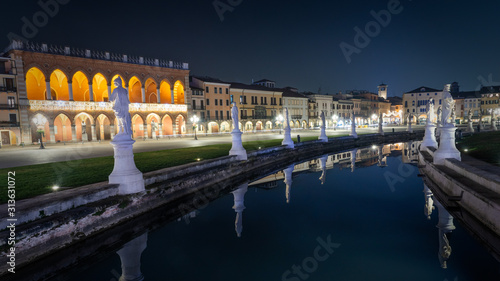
column 325, row 220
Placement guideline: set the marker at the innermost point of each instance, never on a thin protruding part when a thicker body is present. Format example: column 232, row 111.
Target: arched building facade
column 64, row 93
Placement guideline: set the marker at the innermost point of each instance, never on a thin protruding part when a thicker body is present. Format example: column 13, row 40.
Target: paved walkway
column 15, row 156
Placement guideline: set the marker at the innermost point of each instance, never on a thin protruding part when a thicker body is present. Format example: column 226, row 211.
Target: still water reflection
column 355, row 215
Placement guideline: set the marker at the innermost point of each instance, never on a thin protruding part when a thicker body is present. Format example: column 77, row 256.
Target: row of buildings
column 60, row 94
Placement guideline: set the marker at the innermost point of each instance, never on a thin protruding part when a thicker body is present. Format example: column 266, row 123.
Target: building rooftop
column 423, row 89
column 489, row 89
column 91, row 54
column 207, row 79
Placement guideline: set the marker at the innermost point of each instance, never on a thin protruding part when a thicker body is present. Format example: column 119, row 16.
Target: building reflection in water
column 353, row 159
column 130, row 256
column 239, row 206
column 288, row 181
column 445, row 226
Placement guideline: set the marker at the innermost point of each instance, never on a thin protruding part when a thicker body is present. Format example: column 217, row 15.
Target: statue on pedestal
column 234, row 116
column 119, row 98
column 447, row 108
column 430, row 111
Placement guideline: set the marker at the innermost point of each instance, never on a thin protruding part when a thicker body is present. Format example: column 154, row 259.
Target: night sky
column 295, row 43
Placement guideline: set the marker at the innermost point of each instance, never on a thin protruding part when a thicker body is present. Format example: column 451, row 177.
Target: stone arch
column 138, row 126
column 248, row 126
column 83, row 126
column 297, row 124
column 304, row 124
column 165, row 92
column 225, row 126
column 180, row 124
column 213, row 127
column 103, row 127
column 269, row 125
column 179, row 93
column 35, row 84
column 167, row 125
column 62, row 128
column 135, row 90
column 258, row 126
column 80, row 84
column 153, row 117
column 100, row 87
column 150, row 87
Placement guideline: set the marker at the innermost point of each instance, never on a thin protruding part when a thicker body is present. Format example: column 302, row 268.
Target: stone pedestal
column 353, row 130
column 130, row 256
column 380, row 129
column 470, row 128
column 447, row 148
column 287, row 140
column 429, row 137
column 237, row 147
column 353, row 159
column 409, row 129
column 125, row 173
column 322, row 136
column 239, row 206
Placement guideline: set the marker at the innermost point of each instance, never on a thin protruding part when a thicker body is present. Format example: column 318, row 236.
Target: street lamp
column 195, row 120
column 40, row 121
column 279, row 118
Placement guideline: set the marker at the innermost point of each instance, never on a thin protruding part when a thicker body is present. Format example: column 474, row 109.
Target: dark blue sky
column 295, row 43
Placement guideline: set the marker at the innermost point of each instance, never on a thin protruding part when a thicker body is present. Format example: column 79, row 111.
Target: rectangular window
column 208, row 114
column 227, row 102
column 13, row 118
column 11, row 101
column 244, row 100
column 202, row 115
column 194, row 104
column 208, row 102
column 206, row 90
column 220, row 90
column 220, row 102
column 227, row 91
column 280, row 101
column 232, row 98
column 227, row 114
column 215, row 101
column 215, row 90
column 201, row 104
column 221, row 115
column 216, row 115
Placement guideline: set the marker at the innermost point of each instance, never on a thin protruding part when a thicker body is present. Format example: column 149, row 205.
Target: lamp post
column 279, row 118
column 195, row 120
column 40, row 122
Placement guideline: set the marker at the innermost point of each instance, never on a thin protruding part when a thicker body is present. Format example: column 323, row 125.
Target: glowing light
column 55, row 187
column 466, row 150
column 198, row 159
column 374, row 147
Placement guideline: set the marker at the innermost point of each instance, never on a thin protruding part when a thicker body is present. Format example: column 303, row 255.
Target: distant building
column 382, row 91
column 10, row 131
column 415, row 103
column 297, row 105
column 490, row 100
column 266, row 83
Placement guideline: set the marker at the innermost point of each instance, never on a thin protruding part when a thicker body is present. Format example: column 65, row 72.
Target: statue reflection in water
column 429, row 202
column 322, row 164
column 130, row 256
column 288, row 181
column 239, row 206
column 445, row 226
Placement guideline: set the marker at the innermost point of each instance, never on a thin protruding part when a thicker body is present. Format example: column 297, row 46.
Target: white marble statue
column 234, row 116
column 430, row 111
column 439, row 114
column 447, row 108
column 119, row 98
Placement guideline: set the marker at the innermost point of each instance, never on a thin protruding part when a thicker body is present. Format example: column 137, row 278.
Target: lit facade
column 9, row 104
column 490, row 101
column 415, row 103
column 297, row 105
column 64, row 92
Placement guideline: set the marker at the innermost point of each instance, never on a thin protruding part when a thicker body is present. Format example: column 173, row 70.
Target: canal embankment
column 470, row 191
column 51, row 222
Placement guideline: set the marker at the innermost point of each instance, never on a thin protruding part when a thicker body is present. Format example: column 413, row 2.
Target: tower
column 382, row 91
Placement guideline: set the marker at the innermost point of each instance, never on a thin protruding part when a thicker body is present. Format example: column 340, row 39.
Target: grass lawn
column 484, row 146
column 38, row 179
